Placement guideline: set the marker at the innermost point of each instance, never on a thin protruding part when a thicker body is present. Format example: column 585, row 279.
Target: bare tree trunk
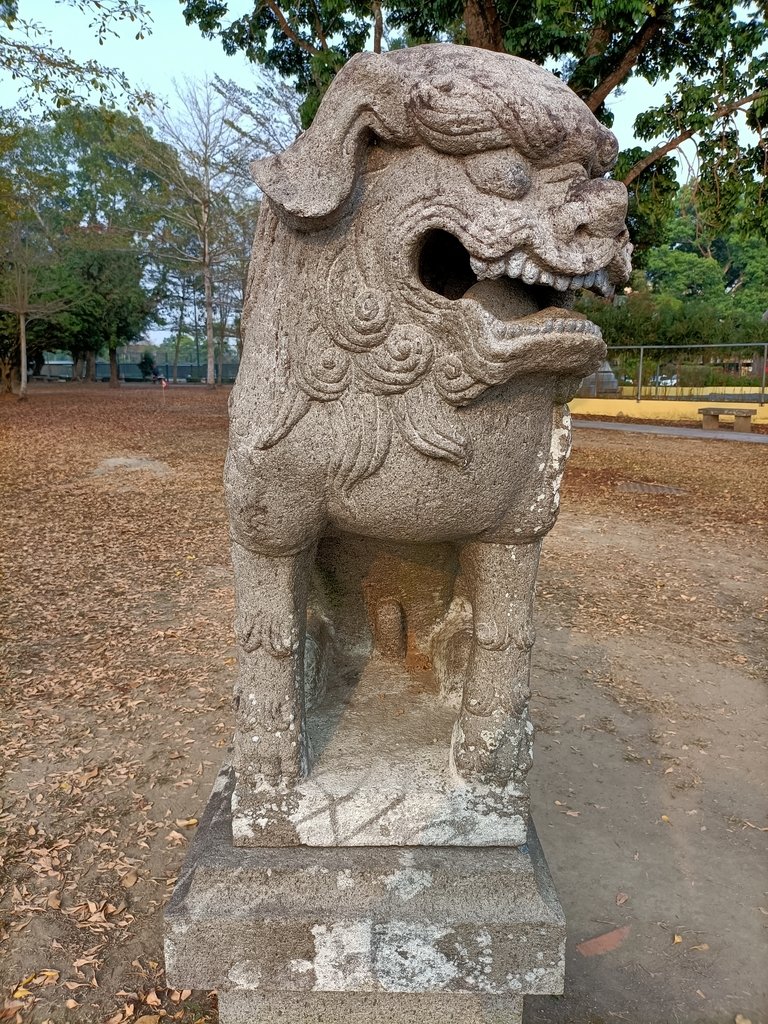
column 114, row 369
column 90, row 366
column 222, row 334
column 177, row 346
column 378, row 26
column 23, row 355
column 77, row 368
column 208, row 284
column 6, row 376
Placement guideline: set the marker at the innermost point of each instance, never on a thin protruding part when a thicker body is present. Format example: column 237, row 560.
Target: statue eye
column 499, row 172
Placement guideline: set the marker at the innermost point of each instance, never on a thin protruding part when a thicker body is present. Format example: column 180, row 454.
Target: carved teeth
column 515, row 263
column 561, row 325
column 486, row 269
column 518, row 265
column 531, row 273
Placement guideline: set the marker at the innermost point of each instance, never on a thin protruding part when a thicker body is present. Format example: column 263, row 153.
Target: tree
column 711, row 56
column 113, row 307
column 27, row 294
column 204, row 163
column 94, row 211
column 51, row 74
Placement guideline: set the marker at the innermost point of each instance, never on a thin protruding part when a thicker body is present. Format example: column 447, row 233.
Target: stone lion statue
column 409, row 346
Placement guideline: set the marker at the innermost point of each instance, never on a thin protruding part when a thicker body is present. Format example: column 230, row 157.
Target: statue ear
column 311, row 182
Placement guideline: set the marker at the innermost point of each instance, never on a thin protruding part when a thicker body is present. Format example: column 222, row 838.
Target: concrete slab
column 247, row 1007
column 381, row 775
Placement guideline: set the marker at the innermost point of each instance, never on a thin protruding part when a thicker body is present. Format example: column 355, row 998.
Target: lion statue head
column 422, row 243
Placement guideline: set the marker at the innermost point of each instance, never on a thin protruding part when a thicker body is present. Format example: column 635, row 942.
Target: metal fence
column 129, row 371
column 725, row 373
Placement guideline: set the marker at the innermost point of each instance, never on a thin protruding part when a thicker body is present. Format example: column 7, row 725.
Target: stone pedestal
column 377, row 934
column 398, row 437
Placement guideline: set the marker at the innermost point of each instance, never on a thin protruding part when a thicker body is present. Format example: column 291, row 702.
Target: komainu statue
column 409, row 347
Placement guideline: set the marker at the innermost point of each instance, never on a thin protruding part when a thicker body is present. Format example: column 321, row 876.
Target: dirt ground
column 649, row 683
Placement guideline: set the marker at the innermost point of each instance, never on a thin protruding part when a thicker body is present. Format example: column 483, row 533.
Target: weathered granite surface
column 268, row 927
column 409, row 346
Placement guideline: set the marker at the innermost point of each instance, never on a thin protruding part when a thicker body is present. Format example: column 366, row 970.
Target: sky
column 174, row 50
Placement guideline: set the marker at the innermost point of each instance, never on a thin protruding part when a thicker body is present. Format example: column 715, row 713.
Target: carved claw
column 273, row 635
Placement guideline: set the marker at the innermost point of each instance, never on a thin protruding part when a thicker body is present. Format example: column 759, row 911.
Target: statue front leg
column 271, row 746
column 493, row 734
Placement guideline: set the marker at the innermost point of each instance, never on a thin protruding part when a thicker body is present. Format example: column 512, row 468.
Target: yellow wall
column 647, row 409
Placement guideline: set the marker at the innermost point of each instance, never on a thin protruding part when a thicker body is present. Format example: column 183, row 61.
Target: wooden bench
column 710, row 418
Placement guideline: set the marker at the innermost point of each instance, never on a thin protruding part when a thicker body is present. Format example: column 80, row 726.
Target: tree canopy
column 698, row 287
column 710, row 54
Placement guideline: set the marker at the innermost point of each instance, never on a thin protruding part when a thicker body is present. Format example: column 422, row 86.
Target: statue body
column 409, row 347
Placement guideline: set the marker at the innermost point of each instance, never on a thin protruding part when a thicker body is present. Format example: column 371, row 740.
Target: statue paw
column 488, row 750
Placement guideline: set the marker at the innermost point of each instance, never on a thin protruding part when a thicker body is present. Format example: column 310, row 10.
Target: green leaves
column 710, row 54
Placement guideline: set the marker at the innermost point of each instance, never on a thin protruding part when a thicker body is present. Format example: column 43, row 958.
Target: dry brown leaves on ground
column 115, row 618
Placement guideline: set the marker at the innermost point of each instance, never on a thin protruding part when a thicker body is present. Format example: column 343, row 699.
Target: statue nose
column 600, row 208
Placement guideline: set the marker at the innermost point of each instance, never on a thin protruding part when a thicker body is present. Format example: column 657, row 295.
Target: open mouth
column 513, row 288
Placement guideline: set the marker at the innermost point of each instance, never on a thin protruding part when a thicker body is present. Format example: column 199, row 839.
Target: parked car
column 665, row 381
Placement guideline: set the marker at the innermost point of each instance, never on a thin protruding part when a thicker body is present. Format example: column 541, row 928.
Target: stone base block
column 438, row 928
column 377, row 1008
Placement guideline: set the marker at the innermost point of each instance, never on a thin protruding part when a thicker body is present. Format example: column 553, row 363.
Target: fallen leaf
column 130, row 878
column 186, row 822
column 604, row 943
column 621, row 899
column 703, row 946
column 677, row 939
column 741, row 1019
column 573, row 814
column 665, row 818
column 72, row 1004
column 148, row 1018
column 115, row 1018
column 152, row 999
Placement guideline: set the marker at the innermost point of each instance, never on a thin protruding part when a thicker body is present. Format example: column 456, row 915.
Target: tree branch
column 319, row 28
column 598, row 42
column 285, row 26
column 728, row 108
column 639, row 41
